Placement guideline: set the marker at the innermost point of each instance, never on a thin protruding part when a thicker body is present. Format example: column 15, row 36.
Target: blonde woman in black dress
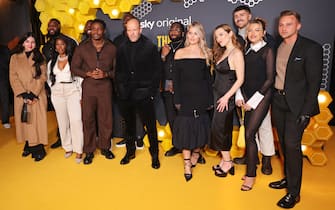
column 192, row 90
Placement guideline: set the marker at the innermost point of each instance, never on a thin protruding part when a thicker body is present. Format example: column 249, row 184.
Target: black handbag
column 24, row 113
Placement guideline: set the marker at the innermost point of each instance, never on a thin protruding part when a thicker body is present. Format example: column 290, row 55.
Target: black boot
column 243, row 160
column 266, row 165
column 131, row 148
column 38, row 152
column 154, row 158
column 26, row 150
column 172, row 152
column 240, row 160
column 154, row 150
column 107, row 153
column 89, row 158
column 58, row 143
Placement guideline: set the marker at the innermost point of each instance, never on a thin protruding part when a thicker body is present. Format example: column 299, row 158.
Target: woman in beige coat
column 27, row 75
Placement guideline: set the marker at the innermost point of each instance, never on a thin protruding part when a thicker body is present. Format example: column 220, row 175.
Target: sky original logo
column 150, row 24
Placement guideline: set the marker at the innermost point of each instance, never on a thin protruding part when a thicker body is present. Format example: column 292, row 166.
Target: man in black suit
column 137, row 77
column 299, row 69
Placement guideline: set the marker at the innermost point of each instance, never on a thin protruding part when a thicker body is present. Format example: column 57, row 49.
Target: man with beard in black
column 176, row 35
column 48, row 50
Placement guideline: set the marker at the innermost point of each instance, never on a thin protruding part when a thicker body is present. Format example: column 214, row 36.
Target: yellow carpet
column 57, row 183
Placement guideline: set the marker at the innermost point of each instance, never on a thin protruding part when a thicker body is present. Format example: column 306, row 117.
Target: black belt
column 194, row 113
column 65, row 82
column 280, row 92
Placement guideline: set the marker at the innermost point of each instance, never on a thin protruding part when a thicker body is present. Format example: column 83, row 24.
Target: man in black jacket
column 140, row 132
column 54, row 30
column 137, row 77
column 176, row 35
column 297, row 83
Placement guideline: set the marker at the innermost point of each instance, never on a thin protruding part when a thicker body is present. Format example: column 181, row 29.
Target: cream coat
column 21, row 72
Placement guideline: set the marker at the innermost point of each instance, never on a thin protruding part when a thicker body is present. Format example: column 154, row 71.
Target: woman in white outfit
column 66, row 97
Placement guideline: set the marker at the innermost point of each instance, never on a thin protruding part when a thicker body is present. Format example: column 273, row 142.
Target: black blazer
column 303, row 77
column 137, row 76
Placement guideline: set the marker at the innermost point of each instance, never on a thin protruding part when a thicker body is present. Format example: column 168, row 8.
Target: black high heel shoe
column 200, row 159
column 219, row 172
column 187, row 165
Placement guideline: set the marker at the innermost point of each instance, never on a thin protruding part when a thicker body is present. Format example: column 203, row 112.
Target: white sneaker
column 6, row 125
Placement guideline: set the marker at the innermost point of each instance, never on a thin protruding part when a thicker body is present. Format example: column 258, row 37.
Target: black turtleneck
column 133, row 48
column 28, row 53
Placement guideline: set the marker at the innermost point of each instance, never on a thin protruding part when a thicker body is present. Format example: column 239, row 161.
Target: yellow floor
column 57, row 183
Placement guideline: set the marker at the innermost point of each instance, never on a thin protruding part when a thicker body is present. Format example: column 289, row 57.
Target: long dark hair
column 52, row 76
column 37, row 55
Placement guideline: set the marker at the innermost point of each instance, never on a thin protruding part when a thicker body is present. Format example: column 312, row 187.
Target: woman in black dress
column 229, row 74
column 256, row 92
column 192, row 93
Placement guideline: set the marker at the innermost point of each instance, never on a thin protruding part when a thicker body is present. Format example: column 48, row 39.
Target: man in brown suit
column 94, row 60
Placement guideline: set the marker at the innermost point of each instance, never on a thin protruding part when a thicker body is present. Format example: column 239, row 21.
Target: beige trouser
column 66, row 101
column 264, row 137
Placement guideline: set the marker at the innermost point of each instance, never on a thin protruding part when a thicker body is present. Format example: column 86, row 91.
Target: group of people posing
column 201, row 89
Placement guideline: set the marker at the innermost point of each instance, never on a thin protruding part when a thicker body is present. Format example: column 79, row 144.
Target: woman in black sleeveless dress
column 229, row 74
column 192, row 91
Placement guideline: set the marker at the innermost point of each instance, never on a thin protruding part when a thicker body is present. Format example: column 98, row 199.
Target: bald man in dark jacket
column 137, row 77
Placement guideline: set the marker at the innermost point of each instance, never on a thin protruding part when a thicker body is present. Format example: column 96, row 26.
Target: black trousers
column 4, row 98
column 118, row 122
column 290, row 134
column 146, row 111
column 170, row 109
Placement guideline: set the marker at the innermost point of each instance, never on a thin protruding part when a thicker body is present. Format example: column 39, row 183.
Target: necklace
column 177, row 47
column 62, row 58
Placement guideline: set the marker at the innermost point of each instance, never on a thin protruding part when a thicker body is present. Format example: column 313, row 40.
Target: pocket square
column 297, row 59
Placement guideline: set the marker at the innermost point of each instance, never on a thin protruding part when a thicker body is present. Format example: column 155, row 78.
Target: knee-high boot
column 154, row 152
column 131, row 148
